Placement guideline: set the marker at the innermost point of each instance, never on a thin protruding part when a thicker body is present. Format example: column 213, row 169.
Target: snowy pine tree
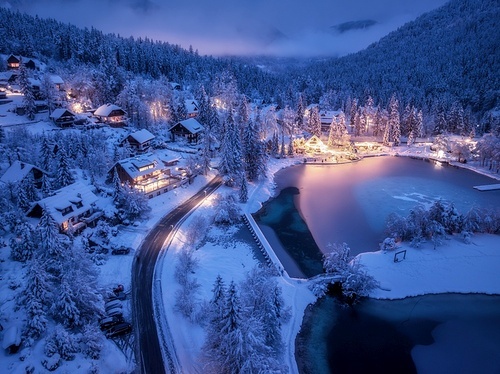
column 64, row 177
column 231, row 155
column 243, row 190
column 23, row 243
column 37, row 298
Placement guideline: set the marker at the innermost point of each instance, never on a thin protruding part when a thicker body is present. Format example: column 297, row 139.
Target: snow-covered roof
column 192, row 125
column 141, row 165
column 191, row 106
column 5, row 75
column 11, row 336
column 56, row 79
column 328, row 115
column 17, row 171
column 175, row 86
column 34, row 82
column 77, row 196
column 142, row 136
column 106, row 109
column 60, row 112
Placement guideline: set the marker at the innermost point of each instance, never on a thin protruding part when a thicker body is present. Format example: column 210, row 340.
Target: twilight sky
column 276, row 27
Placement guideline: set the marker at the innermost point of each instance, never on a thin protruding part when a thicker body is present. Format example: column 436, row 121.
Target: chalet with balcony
column 72, row 207
column 111, row 114
column 63, row 117
column 139, row 141
column 149, row 174
column 189, row 129
column 20, row 170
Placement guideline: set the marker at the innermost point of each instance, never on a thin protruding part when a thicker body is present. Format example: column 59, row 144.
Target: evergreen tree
column 392, row 134
column 300, row 110
column 231, row 154
column 65, row 308
column 314, row 122
column 48, row 92
column 46, row 185
column 27, row 91
column 275, row 145
column 440, row 123
column 37, row 298
column 23, row 243
column 352, row 114
column 243, row 190
column 50, row 245
column 64, row 176
column 46, row 154
column 291, row 151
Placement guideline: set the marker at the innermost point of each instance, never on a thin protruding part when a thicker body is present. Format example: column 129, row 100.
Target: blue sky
column 277, row 27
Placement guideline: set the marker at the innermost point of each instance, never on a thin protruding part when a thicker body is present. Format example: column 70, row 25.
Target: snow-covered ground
column 452, row 267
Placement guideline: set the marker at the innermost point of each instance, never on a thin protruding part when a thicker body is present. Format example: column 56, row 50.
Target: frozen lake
column 317, row 205
column 351, row 202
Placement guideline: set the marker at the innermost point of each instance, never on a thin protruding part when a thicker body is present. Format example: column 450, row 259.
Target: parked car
column 115, row 312
column 108, row 322
column 113, row 304
column 120, row 251
column 117, row 296
column 120, row 329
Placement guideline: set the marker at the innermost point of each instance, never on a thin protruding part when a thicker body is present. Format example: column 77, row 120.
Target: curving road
column 148, row 350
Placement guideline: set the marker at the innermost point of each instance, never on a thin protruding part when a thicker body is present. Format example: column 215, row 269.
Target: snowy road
column 149, row 350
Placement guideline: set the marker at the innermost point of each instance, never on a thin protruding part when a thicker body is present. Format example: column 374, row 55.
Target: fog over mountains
column 240, row 27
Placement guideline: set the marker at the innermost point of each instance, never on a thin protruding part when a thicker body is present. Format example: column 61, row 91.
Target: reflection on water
column 446, row 333
column 350, row 202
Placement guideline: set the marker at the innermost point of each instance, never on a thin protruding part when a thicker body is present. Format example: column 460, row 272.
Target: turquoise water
column 445, row 333
column 350, row 203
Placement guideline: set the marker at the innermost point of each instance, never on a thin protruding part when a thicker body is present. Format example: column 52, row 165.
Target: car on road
column 118, row 330
column 109, row 322
column 120, row 251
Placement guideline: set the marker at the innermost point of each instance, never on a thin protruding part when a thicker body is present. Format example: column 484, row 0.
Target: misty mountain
column 447, row 55
column 353, row 25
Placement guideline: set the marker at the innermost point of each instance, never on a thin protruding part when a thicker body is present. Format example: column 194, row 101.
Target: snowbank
column 453, row 267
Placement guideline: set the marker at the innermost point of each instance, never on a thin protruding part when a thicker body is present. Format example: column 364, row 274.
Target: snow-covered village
column 186, row 204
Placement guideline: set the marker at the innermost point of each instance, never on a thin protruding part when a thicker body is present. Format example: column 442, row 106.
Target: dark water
column 351, row 202
column 446, row 333
column 282, row 216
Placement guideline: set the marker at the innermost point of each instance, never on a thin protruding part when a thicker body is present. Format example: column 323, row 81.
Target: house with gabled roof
column 315, row 145
column 20, row 170
column 190, row 129
column 63, row 117
column 13, row 62
column 191, row 108
column 149, row 173
column 111, row 114
column 139, row 141
column 72, row 207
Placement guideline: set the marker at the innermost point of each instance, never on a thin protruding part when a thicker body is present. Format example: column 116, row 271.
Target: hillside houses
column 139, row 141
column 111, row 114
column 189, row 129
column 63, row 117
column 72, row 207
column 149, row 174
column 20, row 170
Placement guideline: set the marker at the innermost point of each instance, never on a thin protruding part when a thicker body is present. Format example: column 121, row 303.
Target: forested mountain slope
column 452, row 53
